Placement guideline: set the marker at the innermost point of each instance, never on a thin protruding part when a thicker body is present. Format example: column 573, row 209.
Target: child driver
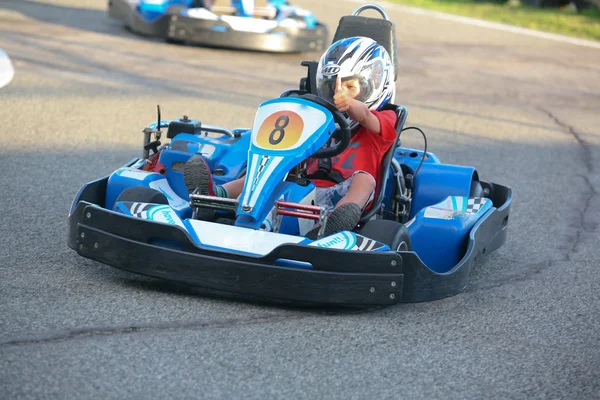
column 356, row 75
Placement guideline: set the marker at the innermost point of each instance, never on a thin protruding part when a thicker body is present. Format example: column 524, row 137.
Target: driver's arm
column 358, row 111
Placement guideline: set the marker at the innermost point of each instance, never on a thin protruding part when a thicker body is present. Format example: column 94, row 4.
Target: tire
column 174, row 41
column 477, row 190
column 142, row 194
column 392, row 233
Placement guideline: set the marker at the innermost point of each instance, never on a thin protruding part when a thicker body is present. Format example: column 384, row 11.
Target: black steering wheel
column 342, row 135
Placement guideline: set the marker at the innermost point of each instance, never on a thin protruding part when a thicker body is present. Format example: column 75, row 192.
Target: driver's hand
column 341, row 98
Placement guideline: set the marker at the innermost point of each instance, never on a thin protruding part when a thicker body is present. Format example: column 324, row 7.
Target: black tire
column 142, row 194
column 477, row 190
column 174, row 41
column 392, row 233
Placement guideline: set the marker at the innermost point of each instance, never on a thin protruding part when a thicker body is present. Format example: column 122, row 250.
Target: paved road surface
column 524, row 111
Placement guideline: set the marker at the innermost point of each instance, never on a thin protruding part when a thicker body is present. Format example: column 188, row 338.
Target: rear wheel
column 392, row 233
column 477, row 190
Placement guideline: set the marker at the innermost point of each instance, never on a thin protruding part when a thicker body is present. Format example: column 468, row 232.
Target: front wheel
column 142, row 194
column 392, row 233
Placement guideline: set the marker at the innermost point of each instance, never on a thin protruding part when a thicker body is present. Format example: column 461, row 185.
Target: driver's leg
column 360, row 191
column 355, row 193
column 234, row 188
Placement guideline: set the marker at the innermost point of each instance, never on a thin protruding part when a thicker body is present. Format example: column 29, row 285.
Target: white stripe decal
column 265, row 176
column 6, row 69
column 250, row 176
column 135, row 208
column 361, row 245
column 487, row 24
column 371, row 245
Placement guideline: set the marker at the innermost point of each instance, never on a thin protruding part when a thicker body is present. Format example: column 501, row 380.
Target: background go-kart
column 521, row 109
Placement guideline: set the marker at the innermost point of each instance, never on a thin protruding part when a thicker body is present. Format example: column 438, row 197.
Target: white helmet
column 361, row 58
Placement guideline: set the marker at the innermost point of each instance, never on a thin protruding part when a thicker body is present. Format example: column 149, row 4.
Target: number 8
column 280, row 129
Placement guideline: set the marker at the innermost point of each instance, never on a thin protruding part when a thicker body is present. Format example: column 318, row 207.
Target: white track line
column 6, row 69
column 487, row 24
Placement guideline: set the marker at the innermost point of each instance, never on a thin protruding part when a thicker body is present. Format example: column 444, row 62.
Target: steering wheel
column 342, row 134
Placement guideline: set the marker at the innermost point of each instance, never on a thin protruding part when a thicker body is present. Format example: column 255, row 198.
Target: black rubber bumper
column 338, row 277
column 220, row 34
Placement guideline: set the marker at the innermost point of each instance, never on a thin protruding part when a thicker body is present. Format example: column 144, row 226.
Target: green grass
column 584, row 25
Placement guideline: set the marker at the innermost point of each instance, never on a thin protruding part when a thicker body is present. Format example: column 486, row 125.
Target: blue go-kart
column 428, row 224
column 270, row 26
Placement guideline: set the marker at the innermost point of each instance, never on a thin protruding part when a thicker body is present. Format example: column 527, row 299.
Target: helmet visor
column 356, row 86
column 326, row 88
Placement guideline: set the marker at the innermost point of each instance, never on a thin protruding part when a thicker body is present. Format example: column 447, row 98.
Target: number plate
column 288, row 125
column 280, row 130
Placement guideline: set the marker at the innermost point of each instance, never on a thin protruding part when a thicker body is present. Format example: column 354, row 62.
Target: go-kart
column 427, row 226
column 273, row 26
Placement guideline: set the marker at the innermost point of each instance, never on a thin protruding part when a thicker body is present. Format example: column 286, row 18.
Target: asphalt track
column 523, row 110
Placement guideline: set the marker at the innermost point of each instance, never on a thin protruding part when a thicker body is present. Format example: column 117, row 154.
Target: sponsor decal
column 133, row 173
column 174, row 200
column 331, row 242
column 344, row 240
column 365, row 244
column 168, row 217
column 329, row 70
column 139, row 210
column 475, row 204
column 349, row 241
column 438, row 213
column 165, row 214
column 455, row 207
column 207, row 150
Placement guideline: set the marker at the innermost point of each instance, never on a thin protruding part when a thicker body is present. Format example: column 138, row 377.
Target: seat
column 386, row 164
column 381, row 30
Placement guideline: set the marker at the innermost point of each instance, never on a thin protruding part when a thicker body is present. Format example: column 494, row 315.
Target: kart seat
column 386, row 164
column 381, row 30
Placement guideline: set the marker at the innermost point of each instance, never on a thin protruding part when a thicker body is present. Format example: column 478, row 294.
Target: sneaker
column 343, row 218
column 198, row 179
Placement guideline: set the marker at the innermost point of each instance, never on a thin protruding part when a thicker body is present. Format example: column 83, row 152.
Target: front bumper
column 338, row 277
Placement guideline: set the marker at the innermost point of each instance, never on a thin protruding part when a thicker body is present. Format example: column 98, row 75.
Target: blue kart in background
column 428, row 225
column 270, row 26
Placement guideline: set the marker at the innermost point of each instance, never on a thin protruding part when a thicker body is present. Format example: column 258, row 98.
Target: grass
column 567, row 22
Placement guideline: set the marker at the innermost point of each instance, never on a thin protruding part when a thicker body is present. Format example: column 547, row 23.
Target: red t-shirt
column 364, row 153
